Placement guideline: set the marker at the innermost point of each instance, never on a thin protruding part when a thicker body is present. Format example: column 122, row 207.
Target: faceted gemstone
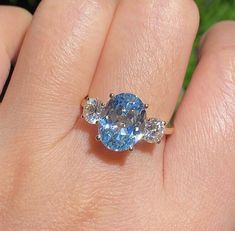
column 154, row 130
column 92, row 110
column 122, row 123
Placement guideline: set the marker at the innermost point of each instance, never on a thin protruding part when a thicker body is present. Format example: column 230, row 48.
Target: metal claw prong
column 146, row 106
column 82, row 116
column 164, row 122
column 111, row 95
column 102, row 104
column 131, row 149
column 87, row 97
column 97, row 137
column 159, row 141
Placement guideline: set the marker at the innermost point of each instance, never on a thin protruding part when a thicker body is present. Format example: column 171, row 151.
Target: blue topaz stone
column 122, row 122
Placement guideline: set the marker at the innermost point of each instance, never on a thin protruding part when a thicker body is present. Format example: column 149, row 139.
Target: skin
column 55, row 176
column 11, row 39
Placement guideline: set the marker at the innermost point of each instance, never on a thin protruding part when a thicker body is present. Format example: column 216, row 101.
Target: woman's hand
column 55, row 176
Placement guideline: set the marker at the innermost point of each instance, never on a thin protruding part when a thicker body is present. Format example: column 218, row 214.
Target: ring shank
column 169, row 131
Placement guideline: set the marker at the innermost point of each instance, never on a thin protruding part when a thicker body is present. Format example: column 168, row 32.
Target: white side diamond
column 154, row 130
column 92, row 110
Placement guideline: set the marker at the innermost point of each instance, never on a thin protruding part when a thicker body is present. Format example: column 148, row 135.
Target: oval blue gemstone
column 122, row 124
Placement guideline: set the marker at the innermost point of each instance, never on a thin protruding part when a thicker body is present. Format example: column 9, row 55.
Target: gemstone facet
column 92, row 110
column 154, row 130
column 122, row 123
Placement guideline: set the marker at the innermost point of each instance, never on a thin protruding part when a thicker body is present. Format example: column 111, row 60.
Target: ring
column 122, row 122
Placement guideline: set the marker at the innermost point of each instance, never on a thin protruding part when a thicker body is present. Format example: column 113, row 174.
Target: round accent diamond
column 154, row 130
column 92, row 111
column 122, row 123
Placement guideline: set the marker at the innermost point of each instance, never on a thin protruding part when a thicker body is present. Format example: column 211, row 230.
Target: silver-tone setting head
column 111, row 95
column 131, row 149
column 146, row 106
column 97, row 138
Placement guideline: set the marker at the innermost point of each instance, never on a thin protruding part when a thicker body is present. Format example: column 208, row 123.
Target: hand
column 55, row 176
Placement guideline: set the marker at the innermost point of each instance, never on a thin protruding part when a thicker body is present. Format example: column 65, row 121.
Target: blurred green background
column 211, row 11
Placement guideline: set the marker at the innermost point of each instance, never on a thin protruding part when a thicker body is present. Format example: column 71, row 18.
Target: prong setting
column 131, row 149
column 98, row 137
column 111, row 95
column 146, row 106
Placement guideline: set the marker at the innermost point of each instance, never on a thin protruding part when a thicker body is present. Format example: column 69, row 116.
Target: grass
column 211, row 11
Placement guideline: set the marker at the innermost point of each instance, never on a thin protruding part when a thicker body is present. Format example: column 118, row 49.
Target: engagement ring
column 122, row 122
